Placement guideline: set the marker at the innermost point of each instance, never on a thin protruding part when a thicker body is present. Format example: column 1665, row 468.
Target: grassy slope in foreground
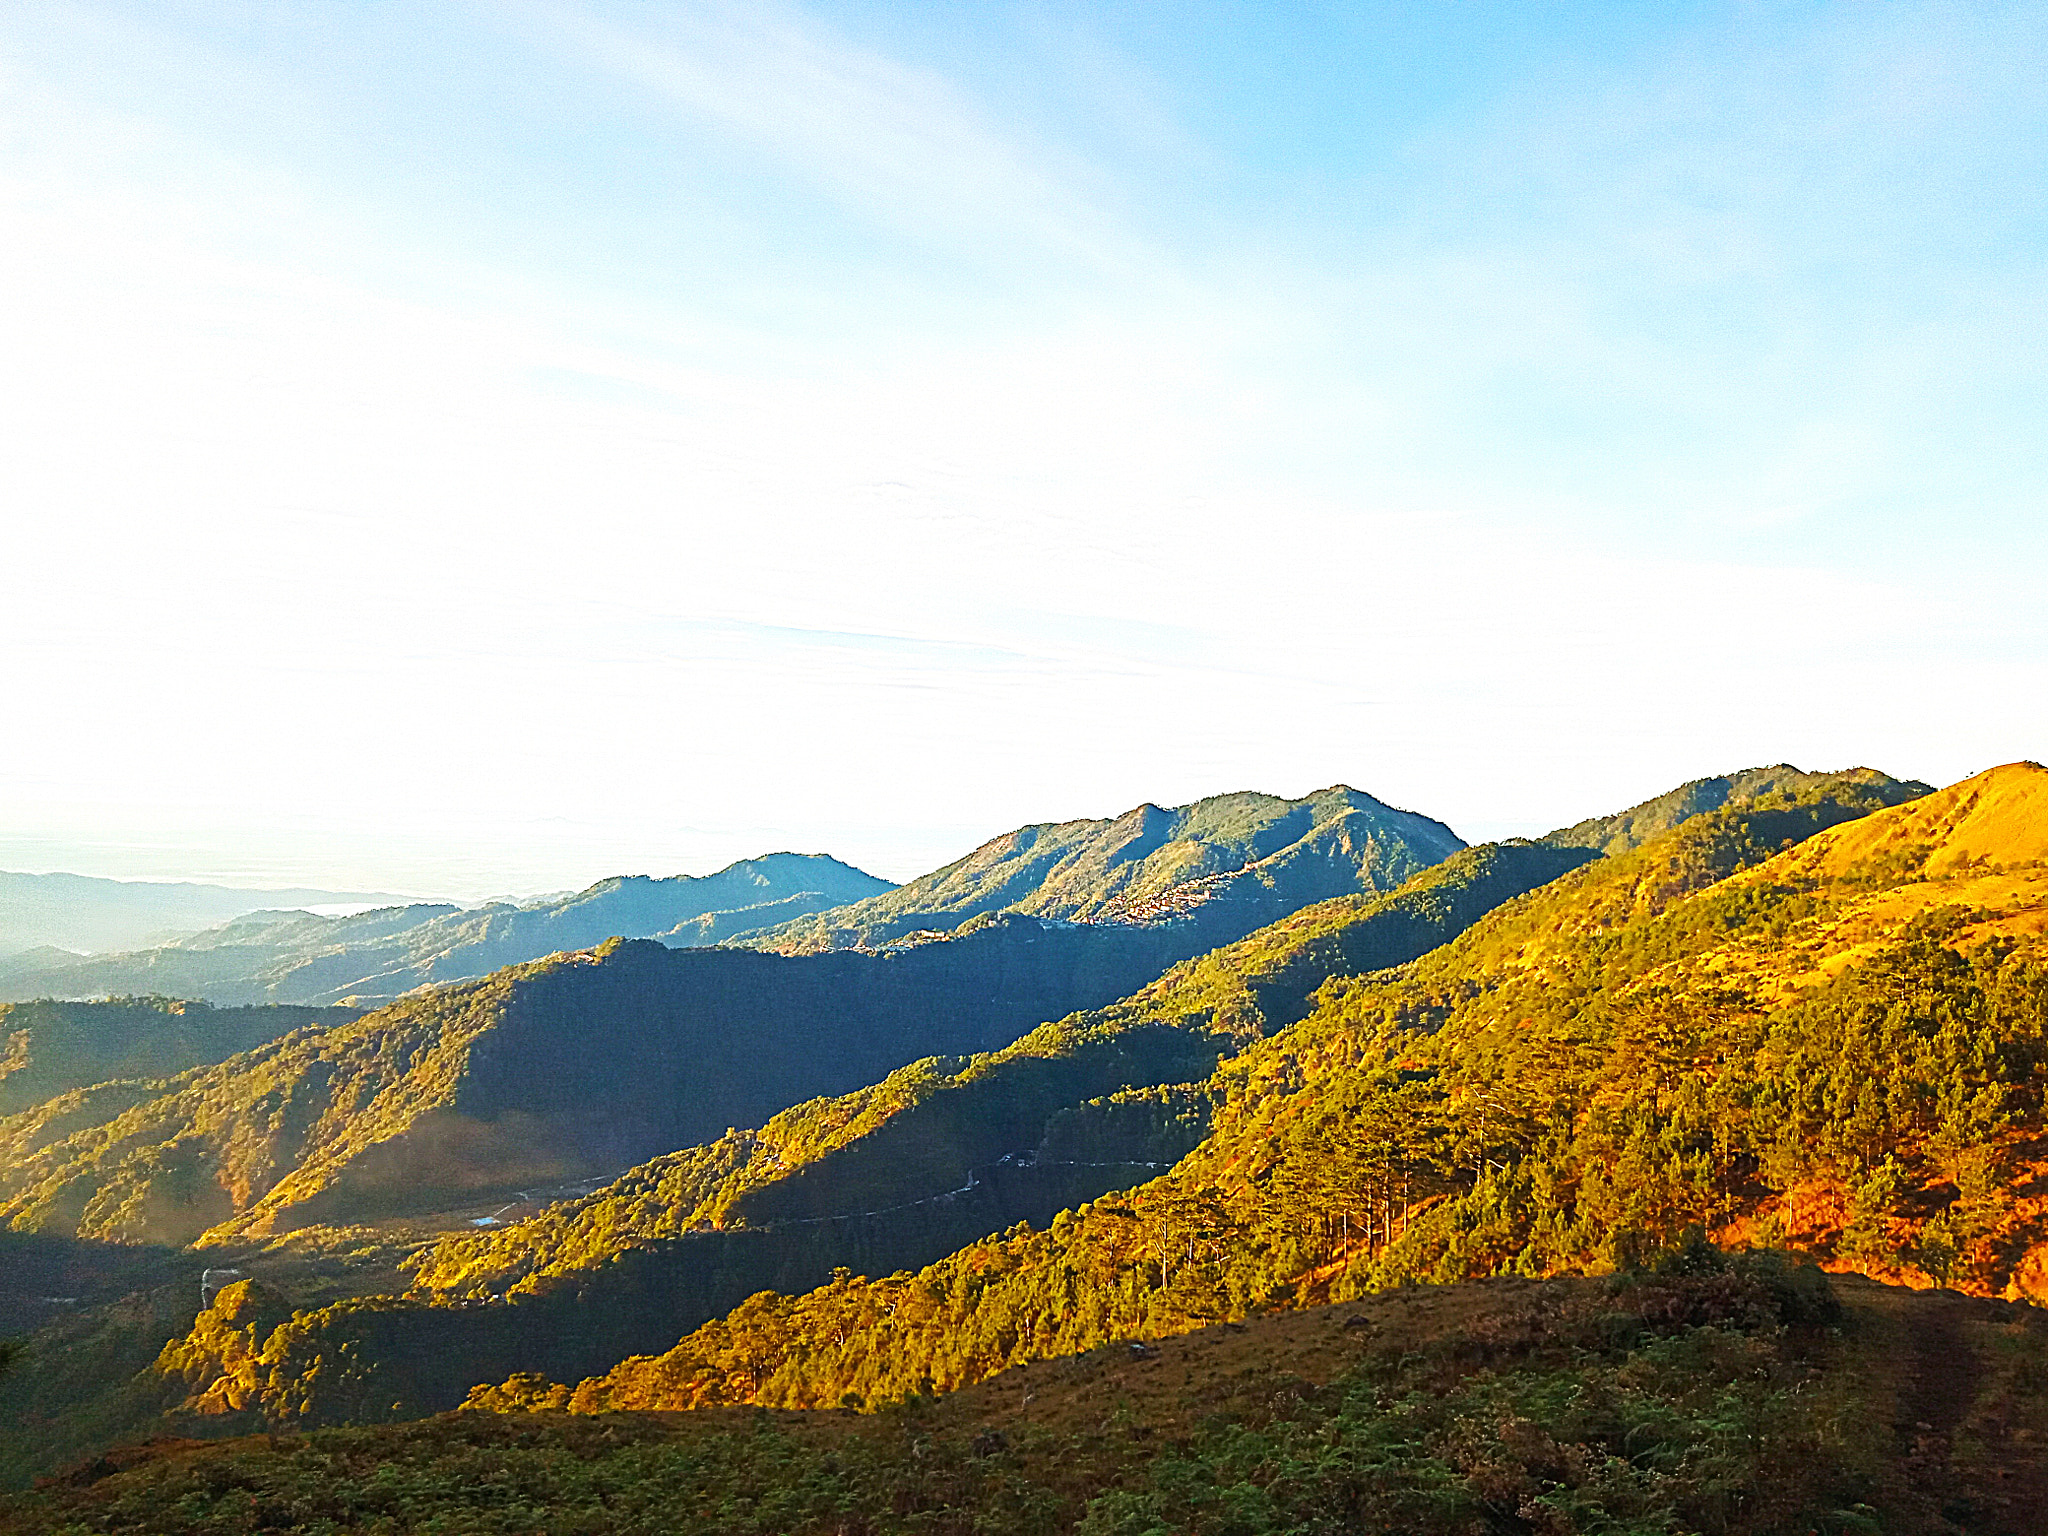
column 1737, row 1399
column 1644, row 1044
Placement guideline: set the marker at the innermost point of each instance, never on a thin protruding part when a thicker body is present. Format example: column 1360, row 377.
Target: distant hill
column 48, row 1048
column 1639, row 823
column 296, row 957
column 1226, row 865
column 85, row 914
column 43, row 957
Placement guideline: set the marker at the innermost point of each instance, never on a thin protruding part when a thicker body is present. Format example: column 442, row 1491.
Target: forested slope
column 1741, row 1396
column 1635, row 826
column 578, row 1065
column 1222, row 866
column 1841, row 1048
column 48, row 1048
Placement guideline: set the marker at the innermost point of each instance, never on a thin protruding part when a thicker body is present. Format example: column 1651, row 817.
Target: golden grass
column 1998, row 816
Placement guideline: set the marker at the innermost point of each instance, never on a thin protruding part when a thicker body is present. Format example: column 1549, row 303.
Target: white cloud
column 358, row 561
column 897, row 144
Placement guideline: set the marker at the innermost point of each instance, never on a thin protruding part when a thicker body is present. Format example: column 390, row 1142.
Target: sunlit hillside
column 1226, row 865
column 1645, row 1045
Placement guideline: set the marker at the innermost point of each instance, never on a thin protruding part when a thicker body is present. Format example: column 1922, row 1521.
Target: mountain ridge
column 270, row 957
column 1259, row 853
column 1624, row 830
column 90, row 913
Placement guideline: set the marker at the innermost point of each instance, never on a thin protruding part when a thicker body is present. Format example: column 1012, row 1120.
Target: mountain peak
column 1152, row 863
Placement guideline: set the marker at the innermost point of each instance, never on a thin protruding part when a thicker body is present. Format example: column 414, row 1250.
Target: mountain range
column 63, row 915
column 1197, row 1069
column 374, row 956
column 556, row 1070
column 1124, row 1091
column 1217, row 868
column 1841, row 1047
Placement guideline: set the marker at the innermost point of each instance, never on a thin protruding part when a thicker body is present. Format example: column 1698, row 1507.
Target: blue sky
column 479, row 448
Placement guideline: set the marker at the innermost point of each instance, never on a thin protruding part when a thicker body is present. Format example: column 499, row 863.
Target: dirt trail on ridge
column 1963, row 1404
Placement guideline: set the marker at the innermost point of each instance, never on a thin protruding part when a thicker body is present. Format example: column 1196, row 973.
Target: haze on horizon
column 468, row 449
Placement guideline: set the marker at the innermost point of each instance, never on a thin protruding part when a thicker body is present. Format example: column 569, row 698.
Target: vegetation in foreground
column 1700, row 1394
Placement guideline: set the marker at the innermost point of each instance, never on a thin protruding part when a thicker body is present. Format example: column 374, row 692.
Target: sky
column 474, row 449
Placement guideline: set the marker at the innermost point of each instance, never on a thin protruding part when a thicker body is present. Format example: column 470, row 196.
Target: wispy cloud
column 898, row 145
column 1474, row 492
column 1776, row 278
